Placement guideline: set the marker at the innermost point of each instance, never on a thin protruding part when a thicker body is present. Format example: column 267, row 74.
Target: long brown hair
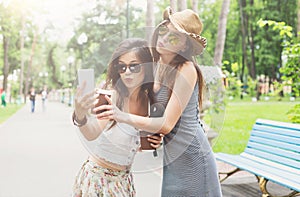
column 171, row 69
column 141, row 49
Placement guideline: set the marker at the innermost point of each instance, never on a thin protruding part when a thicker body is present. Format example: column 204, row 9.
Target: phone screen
column 86, row 75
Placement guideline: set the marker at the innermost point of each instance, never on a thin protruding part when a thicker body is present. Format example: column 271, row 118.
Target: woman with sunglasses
column 107, row 171
column 189, row 164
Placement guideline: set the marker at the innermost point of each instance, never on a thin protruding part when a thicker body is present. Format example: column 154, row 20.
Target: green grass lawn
column 6, row 112
column 239, row 119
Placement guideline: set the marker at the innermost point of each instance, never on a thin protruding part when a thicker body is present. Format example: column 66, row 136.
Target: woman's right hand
column 155, row 140
column 83, row 103
column 110, row 111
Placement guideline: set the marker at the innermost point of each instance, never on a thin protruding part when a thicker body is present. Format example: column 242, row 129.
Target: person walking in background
column 44, row 94
column 3, row 99
column 32, row 95
column 189, row 164
column 107, row 171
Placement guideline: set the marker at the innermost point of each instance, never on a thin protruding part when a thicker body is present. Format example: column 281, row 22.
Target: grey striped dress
column 189, row 164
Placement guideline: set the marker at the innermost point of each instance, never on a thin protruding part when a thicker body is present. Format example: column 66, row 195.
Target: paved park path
column 41, row 152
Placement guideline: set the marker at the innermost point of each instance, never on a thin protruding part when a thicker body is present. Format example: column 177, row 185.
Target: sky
column 64, row 19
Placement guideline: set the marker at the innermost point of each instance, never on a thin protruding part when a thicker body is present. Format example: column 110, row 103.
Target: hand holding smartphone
column 101, row 98
column 156, row 110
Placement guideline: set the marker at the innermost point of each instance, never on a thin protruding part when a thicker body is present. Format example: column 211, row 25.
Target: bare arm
column 93, row 128
column 182, row 91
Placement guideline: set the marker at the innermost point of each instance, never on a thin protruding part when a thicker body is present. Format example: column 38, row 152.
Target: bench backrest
column 275, row 141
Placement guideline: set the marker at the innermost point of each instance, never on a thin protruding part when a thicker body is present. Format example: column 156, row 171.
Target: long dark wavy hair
column 168, row 73
column 142, row 51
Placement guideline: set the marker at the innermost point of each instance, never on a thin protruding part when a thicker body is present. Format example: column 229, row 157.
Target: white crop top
column 118, row 144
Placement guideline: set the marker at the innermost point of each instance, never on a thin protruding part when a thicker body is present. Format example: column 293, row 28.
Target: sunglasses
column 173, row 38
column 133, row 68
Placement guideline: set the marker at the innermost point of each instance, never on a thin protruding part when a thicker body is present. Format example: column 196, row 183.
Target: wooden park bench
column 272, row 153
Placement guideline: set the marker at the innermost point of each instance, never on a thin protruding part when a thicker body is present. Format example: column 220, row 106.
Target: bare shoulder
column 188, row 69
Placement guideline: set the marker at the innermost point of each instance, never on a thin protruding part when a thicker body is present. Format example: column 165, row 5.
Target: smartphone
column 101, row 98
column 86, row 75
column 145, row 144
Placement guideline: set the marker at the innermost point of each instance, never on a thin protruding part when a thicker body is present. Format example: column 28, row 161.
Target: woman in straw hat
column 189, row 164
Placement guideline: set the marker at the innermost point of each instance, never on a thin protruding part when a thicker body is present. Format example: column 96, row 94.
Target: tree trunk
column 150, row 19
column 181, row 5
column 252, row 70
column 221, row 36
column 195, row 5
column 5, row 61
column 22, row 55
column 173, row 5
column 52, row 67
column 242, row 5
column 298, row 26
column 127, row 19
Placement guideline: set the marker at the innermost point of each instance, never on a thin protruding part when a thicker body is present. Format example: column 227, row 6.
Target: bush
column 294, row 114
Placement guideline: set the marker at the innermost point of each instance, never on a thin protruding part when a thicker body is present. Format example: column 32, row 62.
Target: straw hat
column 189, row 23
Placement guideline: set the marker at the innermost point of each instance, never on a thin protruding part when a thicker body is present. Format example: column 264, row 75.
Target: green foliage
column 267, row 42
column 14, row 89
column 284, row 30
column 9, row 29
column 294, row 114
column 251, row 86
column 291, row 69
column 291, row 51
column 234, row 67
column 234, row 85
column 278, row 88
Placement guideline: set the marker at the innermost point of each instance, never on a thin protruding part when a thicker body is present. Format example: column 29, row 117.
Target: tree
column 5, row 27
column 173, row 5
column 150, row 19
column 5, row 59
column 9, row 26
column 298, row 23
column 291, row 47
column 104, row 27
column 195, row 5
column 221, row 33
column 209, row 13
column 22, row 52
column 53, row 67
column 252, row 65
column 259, row 51
column 244, row 19
column 247, row 39
column 182, row 5
column 269, row 43
column 290, row 69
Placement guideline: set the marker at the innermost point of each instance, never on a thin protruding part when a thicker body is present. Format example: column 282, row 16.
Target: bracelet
column 78, row 123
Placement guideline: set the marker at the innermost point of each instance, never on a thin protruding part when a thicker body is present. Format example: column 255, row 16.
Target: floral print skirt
column 96, row 181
